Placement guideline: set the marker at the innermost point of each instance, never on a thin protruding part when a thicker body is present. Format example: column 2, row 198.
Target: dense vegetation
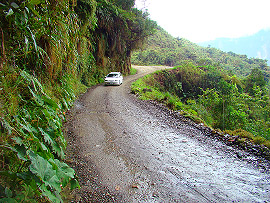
column 163, row 49
column 226, row 91
column 51, row 51
column 208, row 95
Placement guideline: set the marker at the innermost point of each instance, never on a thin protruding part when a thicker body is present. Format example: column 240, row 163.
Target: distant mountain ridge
column 256, row 46
column 163, row 49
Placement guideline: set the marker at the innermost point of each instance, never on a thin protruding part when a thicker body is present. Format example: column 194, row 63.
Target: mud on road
column 126, row 150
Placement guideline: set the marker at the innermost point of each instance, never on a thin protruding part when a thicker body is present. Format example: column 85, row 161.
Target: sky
column 205, row 20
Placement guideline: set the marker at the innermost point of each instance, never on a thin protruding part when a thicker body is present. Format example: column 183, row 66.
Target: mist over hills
column 256, row 46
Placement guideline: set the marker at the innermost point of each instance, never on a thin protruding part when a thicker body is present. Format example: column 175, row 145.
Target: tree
column 125, row 4
column 255, row 78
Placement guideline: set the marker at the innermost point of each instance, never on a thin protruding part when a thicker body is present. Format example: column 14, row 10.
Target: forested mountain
column 256, row 45
column 163, row 49
column 227, row 91
column 52, row 51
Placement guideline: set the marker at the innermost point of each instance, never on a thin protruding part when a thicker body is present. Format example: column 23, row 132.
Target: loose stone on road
column 126, row 150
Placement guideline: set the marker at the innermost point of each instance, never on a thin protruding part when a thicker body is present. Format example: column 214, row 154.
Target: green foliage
column 120, row 31
column 206, row 94
column 163, row 49
column 259, row 140
column 50, row 52
column 125, row 4
column 86, row 10
column 37, row 144
column 26, row 195
column 240, row 132
column 133, row 71
column 255, row 78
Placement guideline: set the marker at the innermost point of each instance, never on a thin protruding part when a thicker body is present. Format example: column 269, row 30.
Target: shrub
column 259, row 140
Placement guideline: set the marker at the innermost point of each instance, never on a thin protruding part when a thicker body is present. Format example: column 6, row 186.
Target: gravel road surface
column 126, row 150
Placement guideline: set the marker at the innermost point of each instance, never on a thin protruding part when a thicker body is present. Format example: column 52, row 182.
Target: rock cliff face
column 118, row 33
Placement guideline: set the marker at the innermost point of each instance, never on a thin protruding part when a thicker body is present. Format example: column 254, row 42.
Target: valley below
column 127, row 150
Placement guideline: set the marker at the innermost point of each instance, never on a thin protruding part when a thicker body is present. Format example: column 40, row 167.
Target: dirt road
column 125, row 150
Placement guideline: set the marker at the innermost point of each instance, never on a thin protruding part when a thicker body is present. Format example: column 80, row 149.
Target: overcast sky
column 204, row 20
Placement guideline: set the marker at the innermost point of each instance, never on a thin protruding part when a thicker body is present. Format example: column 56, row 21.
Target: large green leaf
column 33, row 37
column 47, row 137
column 8, row 192
column 58, row 150
column 33, row 81
column 64, row 172
column 20, row 150
column 54, row 124
column 14, row 5
column 27, row 176
column 64, row 104
column 36, row 97
column 56, row 147
column 74, row 184
column 50, row 102
column 18, row 140
column 44, row 170
column 54, row 197
column 26, row 126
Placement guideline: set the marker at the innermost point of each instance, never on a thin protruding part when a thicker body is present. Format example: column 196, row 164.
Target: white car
column 114, row 78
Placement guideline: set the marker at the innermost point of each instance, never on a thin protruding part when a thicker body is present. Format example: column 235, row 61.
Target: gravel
column 127, row 150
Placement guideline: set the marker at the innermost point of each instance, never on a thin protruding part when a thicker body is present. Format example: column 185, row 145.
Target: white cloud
column 202, row 20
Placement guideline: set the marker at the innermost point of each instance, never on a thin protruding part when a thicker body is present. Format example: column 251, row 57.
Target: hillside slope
column 163, row 49
column 256, row 45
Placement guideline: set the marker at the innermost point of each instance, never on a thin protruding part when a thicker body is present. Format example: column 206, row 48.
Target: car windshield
column 111, row 75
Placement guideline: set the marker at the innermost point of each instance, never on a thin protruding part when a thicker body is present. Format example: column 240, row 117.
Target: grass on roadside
column 133, row 71
column 145, row 90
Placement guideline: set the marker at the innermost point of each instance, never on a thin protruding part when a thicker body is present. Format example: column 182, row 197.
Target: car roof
column 114, row 73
